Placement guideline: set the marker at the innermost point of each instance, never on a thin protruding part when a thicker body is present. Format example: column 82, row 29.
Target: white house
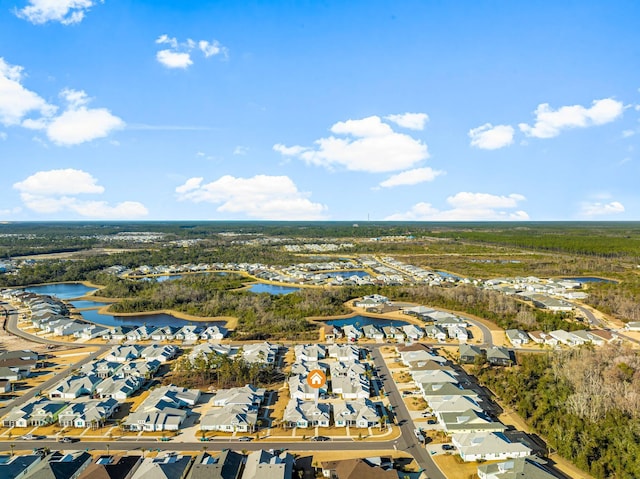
column 487, row 446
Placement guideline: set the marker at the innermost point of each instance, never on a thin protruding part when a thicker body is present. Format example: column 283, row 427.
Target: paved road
column 197, row 446
column 407, row 441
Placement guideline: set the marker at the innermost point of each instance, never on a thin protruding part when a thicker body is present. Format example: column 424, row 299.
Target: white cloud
column 261, row 197
column 601, row 209
column 79, row 124
column 489, row 137
column 66, row 12
column 628, row 133
column 467, row 207
column 370, row 145
column 174, row 59
column 15, row 100
column 412, row 121
column 484, row 200
column 549, row 122
column 166, row 39
column 411, row 177
column 240, row 150
column 178, row 55
column 59, row 182
column 3, row 135
column 212, row 48
column 55, row 191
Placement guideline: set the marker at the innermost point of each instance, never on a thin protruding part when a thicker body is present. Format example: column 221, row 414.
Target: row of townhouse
column 51, row 316
column 597, row 337
column 408, row 332
column 459, row 410
column 234, row 410
column 188, row 333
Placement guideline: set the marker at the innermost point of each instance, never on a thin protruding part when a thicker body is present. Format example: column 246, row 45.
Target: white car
column 419, row 435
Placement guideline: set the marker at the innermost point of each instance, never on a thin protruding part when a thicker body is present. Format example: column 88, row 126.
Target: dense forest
column 584, row 402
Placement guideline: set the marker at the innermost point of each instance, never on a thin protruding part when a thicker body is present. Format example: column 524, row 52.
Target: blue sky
column 412, row 110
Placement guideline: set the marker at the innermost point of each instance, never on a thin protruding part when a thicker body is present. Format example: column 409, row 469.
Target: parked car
column 68, row 439
column 448, row 447
column 245, row 438
column 28, row 437
column 320, row 438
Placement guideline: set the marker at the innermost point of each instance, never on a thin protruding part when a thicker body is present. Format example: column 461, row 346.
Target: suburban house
column 344, row 352
column 266, row 465
column 305, row 414
column 351, row 387
column 119, row 388
column 112, row 467
column 88, row 413
column 74, row 387
column 228, row 465
column 309, row 352
column 164, row 409
column 413, row 332
column 61, row 464
column 530, row 467
column 35, row 412
column 356, row 469
column 359, row 413
column 213, row 333
column 391, row 332
column 458, row 404
column 499, row 356
column 487, row 446
column 370, row 331
column 168, row 466
column 162, row 353
column 468, row 353
column 230, row 418
column 19, row 466
column 300, row 389
column 436, row 332
column 469, row 421
column 123, row 354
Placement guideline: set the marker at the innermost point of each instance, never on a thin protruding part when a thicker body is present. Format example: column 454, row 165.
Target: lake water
column 591, row 279
column 365, row 320
column 272, row 289
column 87, row 304
column 160, row 319
column 62, row 290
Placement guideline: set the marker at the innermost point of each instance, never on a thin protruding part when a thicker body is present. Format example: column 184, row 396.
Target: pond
column 272, row 289
column 87, row 304
column 365, row 320
column 591, row 279
column 61, row 290
column 159, row 319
